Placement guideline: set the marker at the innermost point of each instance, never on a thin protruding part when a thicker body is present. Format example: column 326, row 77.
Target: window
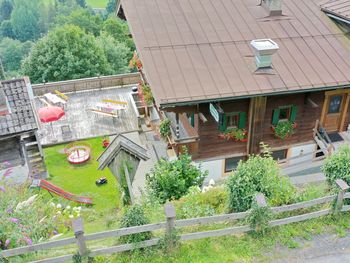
column 4, row 107
column 233, row 120
column 334, row 104
column 191, row 119
column 279, row 155
column 232, row 163
column 284, row 113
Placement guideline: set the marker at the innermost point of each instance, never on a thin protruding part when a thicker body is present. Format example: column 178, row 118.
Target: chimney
column 264, row 49
column 274, row 7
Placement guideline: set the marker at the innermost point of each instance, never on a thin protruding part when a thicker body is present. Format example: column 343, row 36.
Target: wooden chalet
column 244, row 64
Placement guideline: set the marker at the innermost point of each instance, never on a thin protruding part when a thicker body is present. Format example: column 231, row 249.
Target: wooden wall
column 210, row 145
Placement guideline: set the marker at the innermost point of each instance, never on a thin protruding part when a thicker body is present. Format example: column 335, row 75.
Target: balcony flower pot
column 234, row 134
column 284, row 129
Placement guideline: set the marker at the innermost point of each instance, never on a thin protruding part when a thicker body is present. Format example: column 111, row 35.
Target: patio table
column 54, row 99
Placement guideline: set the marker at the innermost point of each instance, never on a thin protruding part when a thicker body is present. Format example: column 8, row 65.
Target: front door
column 334, row 111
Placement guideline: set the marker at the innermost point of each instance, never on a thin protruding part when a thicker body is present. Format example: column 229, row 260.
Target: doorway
column 334, row 111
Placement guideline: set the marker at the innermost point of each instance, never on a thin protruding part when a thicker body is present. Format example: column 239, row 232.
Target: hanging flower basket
column 234, row 134
column 284, row 129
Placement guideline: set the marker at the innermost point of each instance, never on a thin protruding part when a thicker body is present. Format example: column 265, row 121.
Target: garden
column 180, row 182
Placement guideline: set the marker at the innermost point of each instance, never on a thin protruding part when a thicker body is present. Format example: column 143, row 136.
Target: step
column 27, row 135
column 28, row 144
column 33, row 154
column 36, row 160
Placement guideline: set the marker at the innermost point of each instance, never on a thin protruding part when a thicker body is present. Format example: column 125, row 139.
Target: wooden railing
column 86, row 84
column 171, row 223
column 324, row 138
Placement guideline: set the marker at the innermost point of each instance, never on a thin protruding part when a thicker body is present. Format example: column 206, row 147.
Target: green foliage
column 26, row 19
column 65, row 53
column 171, row 180
column 169, row 241
column 284, row 129
column 258, row 174
column 135, row 216
column 337, row 166
column 147, row 93
column 77, row 258
column 126, row 198
column 235, row 134
column 164, row 128
column 6, row 29
column 82, row 18
column 81, row 3
column 259, row 218
column 199, row 204
column 6, row 7
column 116, row 54
column 111, row 6
column 12, row 52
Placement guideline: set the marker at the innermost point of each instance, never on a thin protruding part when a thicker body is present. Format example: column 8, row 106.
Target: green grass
column 97, row 3
column 80, row 179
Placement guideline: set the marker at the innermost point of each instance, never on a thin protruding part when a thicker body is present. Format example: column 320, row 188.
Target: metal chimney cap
column 264, row 46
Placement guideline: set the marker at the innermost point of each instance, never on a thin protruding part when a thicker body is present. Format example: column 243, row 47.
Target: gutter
column 195, row 102
column 338, row 18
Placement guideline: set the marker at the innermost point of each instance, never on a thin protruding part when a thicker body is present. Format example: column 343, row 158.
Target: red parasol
column 50, row 114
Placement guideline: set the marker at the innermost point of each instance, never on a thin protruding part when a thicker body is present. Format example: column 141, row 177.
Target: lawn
column 80, row 179
column 97, row 3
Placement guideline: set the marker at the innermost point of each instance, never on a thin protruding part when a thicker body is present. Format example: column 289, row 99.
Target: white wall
column 214, row 168
column 303, row 151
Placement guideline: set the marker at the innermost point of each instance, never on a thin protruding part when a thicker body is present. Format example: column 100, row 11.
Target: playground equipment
column 78, row 152
column 59, row 191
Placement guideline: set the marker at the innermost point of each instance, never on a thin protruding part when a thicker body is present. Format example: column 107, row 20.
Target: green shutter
column 222, row 122
column 242, row 120
column 275, row 116
column 293, row 113
column 192, row 119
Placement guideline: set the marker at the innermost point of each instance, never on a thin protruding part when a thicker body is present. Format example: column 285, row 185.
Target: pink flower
column 14, row 220
column 28, row 241
column 7, row 242
column 2, row 189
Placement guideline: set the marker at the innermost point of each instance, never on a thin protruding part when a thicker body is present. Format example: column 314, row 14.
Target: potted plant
column 284, row 129
column 164, row 128
column 234, row 134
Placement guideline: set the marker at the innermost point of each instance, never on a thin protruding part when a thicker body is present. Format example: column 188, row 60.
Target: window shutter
column 192, row 119
column 275, row 116
column 293, row 113
column 222, row 122
column 242, row 120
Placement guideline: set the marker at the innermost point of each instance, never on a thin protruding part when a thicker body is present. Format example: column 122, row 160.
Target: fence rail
column 86, row 84
column 80, row 239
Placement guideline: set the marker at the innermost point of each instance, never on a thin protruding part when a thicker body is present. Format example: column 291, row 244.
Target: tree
column 65, row 53
column 111, row 6
column 6, row 7
column 81, row 3
column 337, row 166
column 90, row 23
column 119, row 30
column 12, row 52
column 258, row 174
column 116, row 54
column 171, row 180
column 6, row 29
column 25, row 19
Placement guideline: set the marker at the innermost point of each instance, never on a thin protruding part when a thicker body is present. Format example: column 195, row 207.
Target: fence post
column 343, row 187
column 78, row 228
column 170, row 215
column 260, row 200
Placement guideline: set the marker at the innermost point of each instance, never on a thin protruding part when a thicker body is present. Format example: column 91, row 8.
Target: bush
column 198, row 204
column 164, row 128
column 337, row 166
column 135, row 216
column 258, row 174
column 258, row 218
column 284, row 129
column 171, row 180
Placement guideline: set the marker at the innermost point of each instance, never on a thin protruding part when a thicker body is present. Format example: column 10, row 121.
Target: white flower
column 211, row 182
column 74, row 208
column 205, row 188
column 67, row 207
column 71, row 216
column 78, row 214
column 59, row 206
column 59, row 212
column 79, row 208
column 52, row 204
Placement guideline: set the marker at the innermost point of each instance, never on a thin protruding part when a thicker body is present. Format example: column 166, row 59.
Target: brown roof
column 194, row 50
column 339, row 8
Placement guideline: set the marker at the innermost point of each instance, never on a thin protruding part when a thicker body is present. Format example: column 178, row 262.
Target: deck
column 80, row 123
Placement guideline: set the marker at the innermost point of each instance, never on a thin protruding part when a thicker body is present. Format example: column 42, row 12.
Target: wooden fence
column 171, row 223
column 86, row 84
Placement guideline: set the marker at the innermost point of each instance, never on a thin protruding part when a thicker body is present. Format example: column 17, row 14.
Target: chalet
column 20, row 151
column 233, row 73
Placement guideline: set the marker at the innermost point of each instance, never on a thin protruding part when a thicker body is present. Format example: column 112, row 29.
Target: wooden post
column 78, row 228
column 316, row 128
column 343, row 187
column 170, row 215
column 260, row 200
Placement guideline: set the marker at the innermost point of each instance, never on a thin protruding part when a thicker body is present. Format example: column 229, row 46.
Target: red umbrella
column 50, row 114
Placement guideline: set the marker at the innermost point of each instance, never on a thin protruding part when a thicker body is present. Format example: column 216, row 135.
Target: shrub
column 198, row 204
column 258, row 218
column 164, row 128
column 337, row 166
column 171, row 180
column 258, row 174
column 284, row 129
column 135, row 216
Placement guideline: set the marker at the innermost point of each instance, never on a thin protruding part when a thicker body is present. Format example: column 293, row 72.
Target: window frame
column 230, row 158
column 291, row 114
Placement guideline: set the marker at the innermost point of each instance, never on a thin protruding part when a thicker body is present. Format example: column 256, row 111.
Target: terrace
column 80, row 122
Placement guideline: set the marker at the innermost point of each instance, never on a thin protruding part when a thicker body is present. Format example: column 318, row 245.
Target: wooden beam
column 257, row 109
